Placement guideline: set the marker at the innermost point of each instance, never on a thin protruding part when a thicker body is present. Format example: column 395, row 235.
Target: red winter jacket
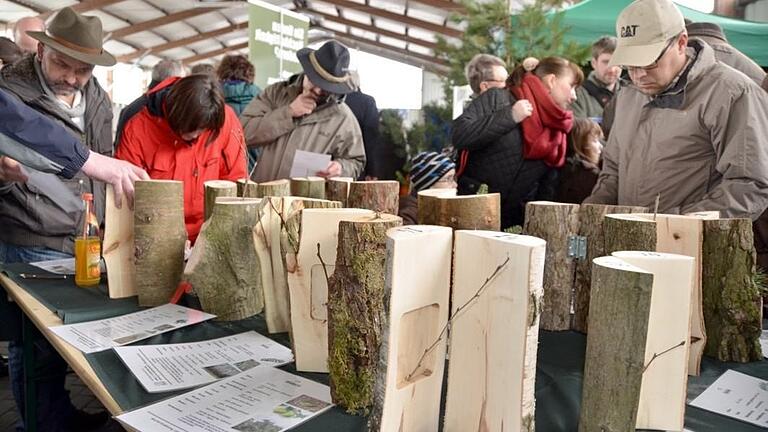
column 146, row 140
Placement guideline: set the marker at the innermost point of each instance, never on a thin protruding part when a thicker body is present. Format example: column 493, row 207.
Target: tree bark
column 276, row 188
column 225, row 242
column 247, row 188
column 472, row 212
column 591, row 226
column 627, row 233
column 731, row 300
column 308, row 187
column 380, row 196
column 357, row 306
column 159, row 237
column 337, row 189
column 615, row 356
column 215, row 189
column 554, row 222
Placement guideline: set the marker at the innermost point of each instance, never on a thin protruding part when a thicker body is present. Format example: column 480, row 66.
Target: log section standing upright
column 380, row 196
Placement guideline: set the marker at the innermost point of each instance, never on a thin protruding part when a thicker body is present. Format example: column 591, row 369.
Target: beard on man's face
column 62, row 88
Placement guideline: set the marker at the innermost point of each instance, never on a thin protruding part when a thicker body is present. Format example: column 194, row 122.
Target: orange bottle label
column 87, row 257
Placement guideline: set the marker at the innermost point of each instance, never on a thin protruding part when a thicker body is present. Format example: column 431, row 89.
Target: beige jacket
column 330, row 129
column 701, row 145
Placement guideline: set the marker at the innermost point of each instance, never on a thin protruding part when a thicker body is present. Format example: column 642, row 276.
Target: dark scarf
column 545, row 131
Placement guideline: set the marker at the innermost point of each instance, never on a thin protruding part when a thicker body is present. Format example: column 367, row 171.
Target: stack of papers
column 738, row 396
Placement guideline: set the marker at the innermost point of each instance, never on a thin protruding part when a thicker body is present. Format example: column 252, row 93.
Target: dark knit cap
column 427, row 168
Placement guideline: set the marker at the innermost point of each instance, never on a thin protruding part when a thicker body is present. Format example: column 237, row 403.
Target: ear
column 593, row 63
column 682, row 42
column 40, row 51
column 549, row 81
column 483, row 87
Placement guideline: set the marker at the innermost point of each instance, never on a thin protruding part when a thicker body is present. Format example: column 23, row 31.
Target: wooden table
column 42, row 317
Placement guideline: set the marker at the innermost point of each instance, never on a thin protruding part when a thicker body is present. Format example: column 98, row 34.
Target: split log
column 731, row 299
column 664, row 382
column 629, row 232
column 471, row 212
column 118, row 248
column 247, row 188
column 495, row 311
column 159, row 237
column 615, row 356
column 276, row 188
column 215, row 189
column 411, row 357
column 308, row 286
column 591, row 228
column 555, row 223
column 357, row 306
column 308, row 187
column 337, row 189
column 223, row 268
column 380, row 196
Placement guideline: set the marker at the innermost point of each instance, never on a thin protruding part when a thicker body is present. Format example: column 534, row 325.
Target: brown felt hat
column 76, row 36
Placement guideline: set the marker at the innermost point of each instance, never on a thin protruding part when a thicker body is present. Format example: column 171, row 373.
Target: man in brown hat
column 306, row 113
column 56, row 81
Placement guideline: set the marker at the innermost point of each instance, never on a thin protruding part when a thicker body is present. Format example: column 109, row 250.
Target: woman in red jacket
column 183, row 130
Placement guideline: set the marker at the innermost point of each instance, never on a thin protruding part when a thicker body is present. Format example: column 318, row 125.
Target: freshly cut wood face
column 665, row 379
column 308, row 285
column 118, row 248
column 494, row 339
column 412, row 356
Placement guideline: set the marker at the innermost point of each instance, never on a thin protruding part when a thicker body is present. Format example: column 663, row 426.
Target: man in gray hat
column 689, row 129
column 306, row 113
column 56, row 81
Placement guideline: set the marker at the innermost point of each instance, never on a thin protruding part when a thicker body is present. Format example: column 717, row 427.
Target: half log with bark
column 731, row 299
column 337, row 189
column 357, row 307
column 409, row 374
column 591, row 228
column 629, row 232
column 380, row 196
column 118, row 248
column 247, row 188
column 495, row 311
column 471, row 212
column 159, row 237
column 225, row 242
column 276, row 188
column 214, row 189
column 555, row 223
column 308, row 187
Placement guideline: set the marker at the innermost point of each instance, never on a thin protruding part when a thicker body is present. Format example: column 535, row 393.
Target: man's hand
column 11, row 171
column 304, row 104
column 521, row 110
column 120, row 174
column 333, row 170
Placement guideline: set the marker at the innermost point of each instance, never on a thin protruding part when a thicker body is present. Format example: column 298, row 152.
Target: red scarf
column 544, row 132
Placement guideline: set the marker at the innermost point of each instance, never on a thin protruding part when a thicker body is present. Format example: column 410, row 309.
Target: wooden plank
column 618, row 330
column 665, row 380
column 118, row 248
column 494, row 339
column 555, row 223
column 411, row 358
column 308, row 286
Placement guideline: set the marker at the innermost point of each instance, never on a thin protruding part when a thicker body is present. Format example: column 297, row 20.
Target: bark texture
column 159, row 237
column 215, row 189
column 308, row 187
column 337, row 189
column 277, row 188
column 380, row 196
column 247, row 188
column 473, row 212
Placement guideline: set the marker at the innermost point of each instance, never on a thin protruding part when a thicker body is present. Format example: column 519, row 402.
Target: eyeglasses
column 655, row 64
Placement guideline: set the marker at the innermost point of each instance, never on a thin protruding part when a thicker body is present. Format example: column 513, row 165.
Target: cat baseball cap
column 643, row 30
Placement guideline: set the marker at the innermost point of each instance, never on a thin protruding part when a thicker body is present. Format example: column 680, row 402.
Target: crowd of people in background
column 669, row 116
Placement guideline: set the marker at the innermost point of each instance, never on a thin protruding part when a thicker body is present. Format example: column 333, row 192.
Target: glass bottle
column 88, row 248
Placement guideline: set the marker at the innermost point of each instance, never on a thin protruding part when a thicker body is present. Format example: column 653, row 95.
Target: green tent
column 590, row 19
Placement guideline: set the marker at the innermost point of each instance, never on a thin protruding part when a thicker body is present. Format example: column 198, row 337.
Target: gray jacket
column 724, row 52
column 701, row 144
column 28, row 217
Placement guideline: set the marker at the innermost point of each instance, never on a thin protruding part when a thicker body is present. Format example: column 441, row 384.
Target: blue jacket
column 238, row 94
column 37, row 141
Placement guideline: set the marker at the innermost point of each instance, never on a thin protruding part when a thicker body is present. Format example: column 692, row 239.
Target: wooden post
column 731, row 300
column 591, row 228
column 357, row 307
column 409, row 373
column 308, row 286
column 214, row 189
column 308, row 187
column 276, row 188
column 247, row 188
column 337, row 189
column 495, row 310
column 159, row 237
column 118, row 248
column 225, row 242
column 478, row 212
column 614, row 361
column 555, row 223
column 664, row 381
column 380, row 196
